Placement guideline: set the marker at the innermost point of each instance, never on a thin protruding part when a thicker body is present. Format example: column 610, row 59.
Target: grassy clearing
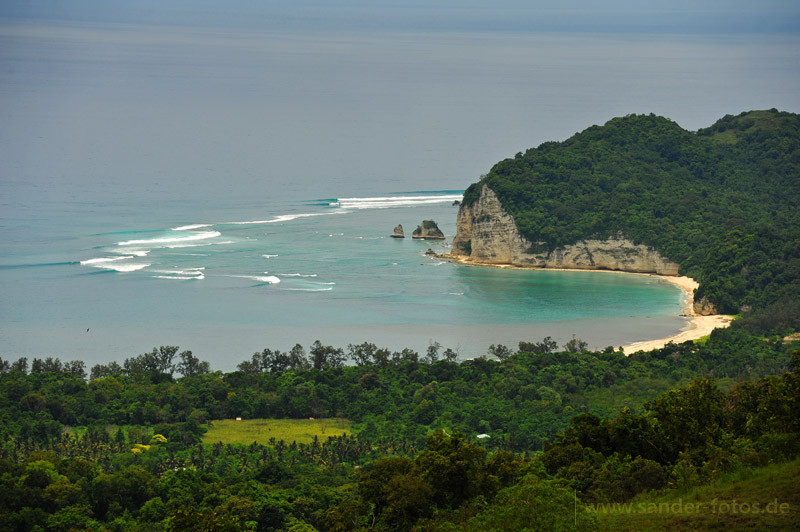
column 261, row 431
column 702, row 340
column 761, row 499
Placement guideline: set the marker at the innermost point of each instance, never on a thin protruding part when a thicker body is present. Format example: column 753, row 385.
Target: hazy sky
column 673, row 16
column 153, row 98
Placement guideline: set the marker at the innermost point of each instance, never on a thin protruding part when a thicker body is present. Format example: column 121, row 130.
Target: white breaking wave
column 386, row 202
column 198, row 272
column 129, row 267
column 115, row 263
column 190, row 227
column 188, row 274
column 197, row 245
column 271, row 279
column 297, row 274
column 269, row 256
column 98, row 261
column 170, row 240
column 283, row 218
column 131, row 251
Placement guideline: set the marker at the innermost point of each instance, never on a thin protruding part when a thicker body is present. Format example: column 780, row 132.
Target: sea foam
column 171, row 239
column 386, row 202
column 282, row 218
column 190, row 227
column 115, row 263
column 271, row 279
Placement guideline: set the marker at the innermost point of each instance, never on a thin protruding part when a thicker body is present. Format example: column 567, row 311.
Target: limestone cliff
column 486, row 233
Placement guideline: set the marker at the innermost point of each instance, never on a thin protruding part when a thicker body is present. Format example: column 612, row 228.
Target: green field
column 261, row 431
column 760, row 499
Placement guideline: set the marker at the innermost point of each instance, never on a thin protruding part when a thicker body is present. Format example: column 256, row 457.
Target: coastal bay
column 695, row 327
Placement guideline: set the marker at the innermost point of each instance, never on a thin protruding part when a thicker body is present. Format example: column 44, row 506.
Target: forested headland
column 722, row 202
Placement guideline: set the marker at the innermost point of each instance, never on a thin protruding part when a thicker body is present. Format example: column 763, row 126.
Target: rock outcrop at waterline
column 487, row 234
column 704, row 307
column 398, row 232
column 428, row 230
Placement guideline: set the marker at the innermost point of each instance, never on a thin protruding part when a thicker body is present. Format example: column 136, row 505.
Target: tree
column 20, row 365
column 456, row 469
column 158, row 361
column 432, row 355
column 76, row 367
column 48, row 365
column 534, row 505
column 325, row 356
column 297, row 358
column 106, row 370
column 500, row 351
column 547, row 345
column 362, row 354
column 576, row 345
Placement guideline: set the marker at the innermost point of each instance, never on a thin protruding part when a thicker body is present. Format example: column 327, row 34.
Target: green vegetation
column 722, row 202
column 267, row 431
column 761, row 498
column 128, row 450
column 428, row 229
column 712, row 423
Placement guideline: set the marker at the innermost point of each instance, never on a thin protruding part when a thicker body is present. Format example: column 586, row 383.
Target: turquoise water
column 225, row 286
column 181, row 181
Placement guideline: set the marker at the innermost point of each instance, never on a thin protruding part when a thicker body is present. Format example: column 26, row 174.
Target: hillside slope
column 723, row 202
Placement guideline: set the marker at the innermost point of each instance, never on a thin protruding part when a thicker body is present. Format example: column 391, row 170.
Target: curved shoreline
column 697, row 326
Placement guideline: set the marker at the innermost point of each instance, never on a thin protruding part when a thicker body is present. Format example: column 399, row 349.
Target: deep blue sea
column 228, row 190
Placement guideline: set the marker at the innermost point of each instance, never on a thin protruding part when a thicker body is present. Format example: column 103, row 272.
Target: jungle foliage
column 124, row 450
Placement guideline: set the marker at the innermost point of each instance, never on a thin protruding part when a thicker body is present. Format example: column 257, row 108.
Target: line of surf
column 386, row 202
column 203, row 235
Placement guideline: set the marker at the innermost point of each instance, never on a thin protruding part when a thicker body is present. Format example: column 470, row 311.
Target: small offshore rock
column 430, row 252
column 428, row 230
column 398, row 232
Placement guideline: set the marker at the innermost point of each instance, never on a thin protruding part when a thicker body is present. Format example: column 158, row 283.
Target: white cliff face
column 486, row 233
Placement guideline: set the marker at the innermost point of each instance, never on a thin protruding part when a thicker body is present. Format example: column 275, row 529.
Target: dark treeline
column 721, row 202
column 519, row 399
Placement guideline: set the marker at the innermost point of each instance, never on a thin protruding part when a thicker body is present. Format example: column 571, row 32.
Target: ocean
column 229, row 191
column 324, row 269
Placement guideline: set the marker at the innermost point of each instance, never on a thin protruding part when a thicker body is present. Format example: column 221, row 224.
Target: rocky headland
column 486, row 234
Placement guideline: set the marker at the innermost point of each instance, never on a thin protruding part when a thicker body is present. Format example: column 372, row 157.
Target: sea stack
column 398, row 232
column 428, row 230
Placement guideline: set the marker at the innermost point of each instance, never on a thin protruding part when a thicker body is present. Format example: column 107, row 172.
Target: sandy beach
column 697, row 327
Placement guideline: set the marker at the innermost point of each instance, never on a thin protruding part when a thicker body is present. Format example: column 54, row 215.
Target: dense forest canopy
column 125, row 450
column 723, row 202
